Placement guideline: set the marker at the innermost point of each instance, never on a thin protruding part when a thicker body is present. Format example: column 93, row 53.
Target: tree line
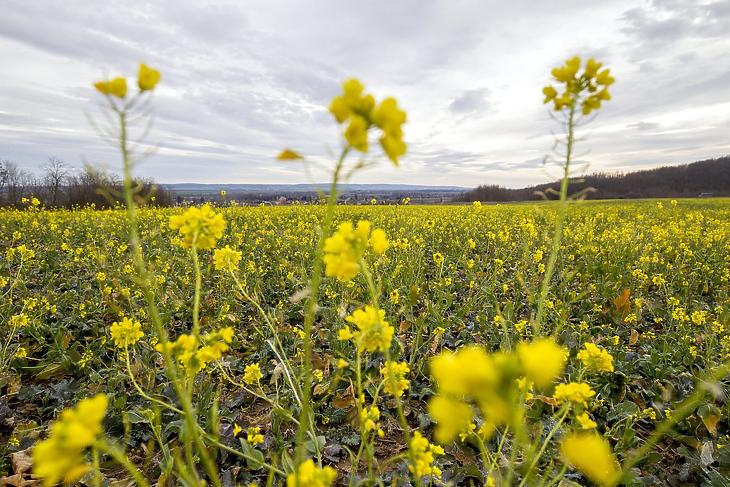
column 710, row 177
column 58, row 186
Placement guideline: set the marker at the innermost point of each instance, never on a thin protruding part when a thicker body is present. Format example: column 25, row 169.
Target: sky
column 243, row 80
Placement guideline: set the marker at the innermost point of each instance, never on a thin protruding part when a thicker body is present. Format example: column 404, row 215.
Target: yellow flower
column 379, row 241
column 356, row 133
column 464, row 373
column 309, row 475
column 584, row 89
column 550, row 93
column 201, row 227
column 61, row 456
column 452, row 416
column 252, row 374
column 369, row 418
column 359, row 108
column 254, row 436
column 237, row 430
column 344, row 249
column 373, row 332
column 577, row 393
column 147, row 78
column 585, row 421
column 423, row 454
column 596, row 359
column 394, row 377
column 390, row 119
column 542, row 361
column 289, row 155
column 591, row 454
column 126, row 332
column 226, row 259
column 116, row 87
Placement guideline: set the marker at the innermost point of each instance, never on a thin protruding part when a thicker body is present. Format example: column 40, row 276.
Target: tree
column 54, row 177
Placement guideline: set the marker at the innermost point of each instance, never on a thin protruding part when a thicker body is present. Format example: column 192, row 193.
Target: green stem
column 558, row 232
column 306, row 419
column 119, row 457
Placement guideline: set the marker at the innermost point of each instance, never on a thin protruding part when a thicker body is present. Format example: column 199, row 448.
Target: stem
column 306, row 420
column 536, row 459
column 144, row 282
column 558, row 232
column 119, row 457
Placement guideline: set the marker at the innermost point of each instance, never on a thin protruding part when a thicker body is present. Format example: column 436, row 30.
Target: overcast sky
column 242, row 80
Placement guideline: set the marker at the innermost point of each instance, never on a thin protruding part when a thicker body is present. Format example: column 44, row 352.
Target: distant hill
column 704, row 178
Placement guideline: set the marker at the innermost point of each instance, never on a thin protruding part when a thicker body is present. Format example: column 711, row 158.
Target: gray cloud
column 470, row 101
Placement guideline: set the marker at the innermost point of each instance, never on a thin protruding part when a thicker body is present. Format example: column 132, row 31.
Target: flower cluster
column 147, row 79
column 344, row 249
column 61, row 456
column 199, row 226
column 226, row 259
column 310, row 475
column 394, row 377
column 360, row 110
column 126, row 333
column 369, row 420
column 495, row 383
column 576, row 393
column 423, row 454
column 252, row 374
column 595, row 358
column 591, row 454
column 373, row 332
column 194, row 357
column 588, row 89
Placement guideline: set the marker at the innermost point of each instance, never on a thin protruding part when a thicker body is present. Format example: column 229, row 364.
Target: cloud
column 642, row 126
column 470, row 101
column 242, row 82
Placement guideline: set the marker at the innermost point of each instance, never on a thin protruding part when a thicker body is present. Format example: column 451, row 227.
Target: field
column 648, row 282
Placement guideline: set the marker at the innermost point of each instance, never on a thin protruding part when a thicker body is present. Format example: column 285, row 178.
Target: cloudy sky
column 242, row 80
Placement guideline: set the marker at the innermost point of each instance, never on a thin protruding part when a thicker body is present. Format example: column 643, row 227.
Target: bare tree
column 54, row 177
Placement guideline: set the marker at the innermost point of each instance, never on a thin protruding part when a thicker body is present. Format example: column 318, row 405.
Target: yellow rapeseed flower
column 344, row 249
column 310, row 475
column 394, row 377
column 147, row 78
column 126, row 332
column 61, row 456
column 201, row 227
column 576, row 393
column 591, row 454
column 595, row 358
column 373, row 332
column 226, row 259
column 542, row 360
column 423, row 454
column 115, row 87
column 252, row 374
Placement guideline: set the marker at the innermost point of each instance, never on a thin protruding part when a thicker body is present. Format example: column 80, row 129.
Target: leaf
column 22, row 462
column 623, row 410
column 710, row 415
column 622, row 303
column 634, row 337
column 706, row 454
